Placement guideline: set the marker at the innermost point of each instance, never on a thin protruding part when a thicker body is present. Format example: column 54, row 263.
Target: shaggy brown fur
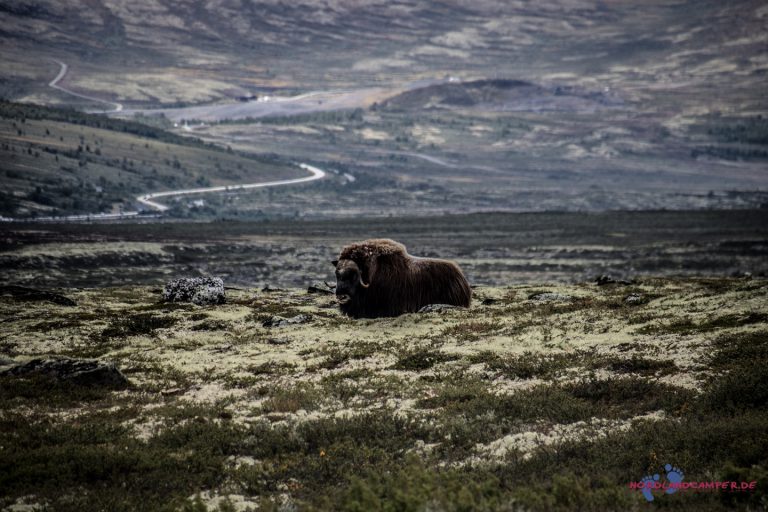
column 379, row 278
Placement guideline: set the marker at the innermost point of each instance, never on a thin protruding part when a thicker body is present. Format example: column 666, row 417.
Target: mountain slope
column 62, row 162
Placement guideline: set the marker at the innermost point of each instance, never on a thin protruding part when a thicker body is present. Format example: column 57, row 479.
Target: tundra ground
column 547, row 397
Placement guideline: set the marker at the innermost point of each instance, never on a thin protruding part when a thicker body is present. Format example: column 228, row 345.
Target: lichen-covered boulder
column 198, row 290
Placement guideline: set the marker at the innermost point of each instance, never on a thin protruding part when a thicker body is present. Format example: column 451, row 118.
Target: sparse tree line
column 751, row 130
column 335, row 116
column 21, row 112
column 730, row 152
column 92, row 175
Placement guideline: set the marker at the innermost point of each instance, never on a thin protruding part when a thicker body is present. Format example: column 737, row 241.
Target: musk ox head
column 357, row 268
column 349, row 280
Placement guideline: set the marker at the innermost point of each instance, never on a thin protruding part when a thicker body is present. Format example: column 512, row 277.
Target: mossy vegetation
column 688, row 325
column 133, row 325
column 472, row 330
column 335, row 356
column 421, row 359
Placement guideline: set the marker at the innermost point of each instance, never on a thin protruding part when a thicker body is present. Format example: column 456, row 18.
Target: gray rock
column 22, row 293
column 606, row 279
column 324, row 288
column 634, row 298
column 172, row 391
column 279, row 321
column 550, row 297
column 437, row 308
column 198, row 290
column 84, row 372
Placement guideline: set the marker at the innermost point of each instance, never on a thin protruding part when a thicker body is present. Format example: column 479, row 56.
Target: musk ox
column 378, row 278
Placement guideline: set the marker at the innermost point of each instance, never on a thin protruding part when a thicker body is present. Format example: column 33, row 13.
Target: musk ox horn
column 369, row 268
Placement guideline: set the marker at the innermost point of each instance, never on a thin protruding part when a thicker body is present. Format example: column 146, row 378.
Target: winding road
column 117, row 107
column 149, row 199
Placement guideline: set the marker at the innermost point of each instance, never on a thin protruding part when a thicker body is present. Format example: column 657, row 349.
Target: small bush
column 421, row 359
column 133, row 325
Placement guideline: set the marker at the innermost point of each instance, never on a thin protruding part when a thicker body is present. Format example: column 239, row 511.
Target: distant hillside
column 61, row 162
column 482, row 106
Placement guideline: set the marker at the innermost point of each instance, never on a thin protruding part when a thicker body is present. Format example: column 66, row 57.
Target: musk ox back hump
column 440, row 282
column 394, row 282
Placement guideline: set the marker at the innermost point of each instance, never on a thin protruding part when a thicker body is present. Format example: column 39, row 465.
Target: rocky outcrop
column 30, row 294
column 198, row 290
column 323, row 288
column 549, row 297
column 279, row 321
column 606, row 279
column 84, row 372
column 437, row 308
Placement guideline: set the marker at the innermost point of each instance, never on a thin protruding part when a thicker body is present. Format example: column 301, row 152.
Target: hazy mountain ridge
column 259, row 43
